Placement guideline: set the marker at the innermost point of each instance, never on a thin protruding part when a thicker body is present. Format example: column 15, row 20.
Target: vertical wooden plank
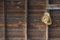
column 5, row 18
column 47, row 3
column 46, row 32
column 54, row 29
column 2, row 26
column 36, row 29
column 16, row 19
column 26, row 16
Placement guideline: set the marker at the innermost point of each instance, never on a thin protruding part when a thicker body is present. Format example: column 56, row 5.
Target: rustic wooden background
column 18, row 23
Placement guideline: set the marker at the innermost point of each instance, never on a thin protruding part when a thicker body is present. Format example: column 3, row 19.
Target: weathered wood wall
column 2, row 25
column 36, row 29
column 16, row 19
column 54, row 29
column 23, row 25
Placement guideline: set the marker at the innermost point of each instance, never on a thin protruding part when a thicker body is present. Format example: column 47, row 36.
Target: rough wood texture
column 17, row 28
column 36, row 29
column 2, row 25
column 16, row 20
column 54, row 1
column 54, row 29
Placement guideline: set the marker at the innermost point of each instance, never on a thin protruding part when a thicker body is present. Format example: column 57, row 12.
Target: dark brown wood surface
column 54, row 1
column 2, row 25
column 54, row 29
column 36, row 29
column 17, row 20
